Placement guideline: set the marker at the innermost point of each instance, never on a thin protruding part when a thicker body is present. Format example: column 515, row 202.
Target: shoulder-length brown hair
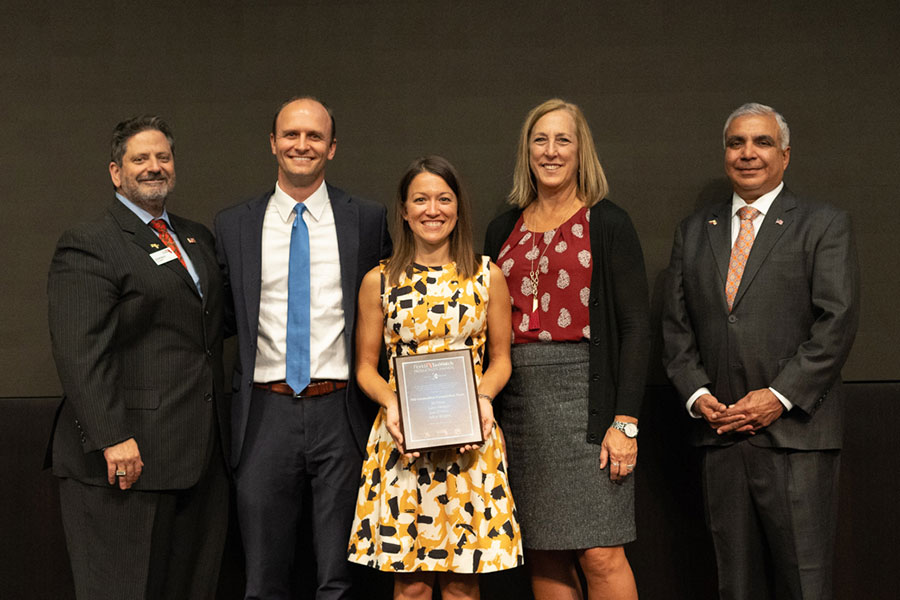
column 461, row 250
column 592, row 185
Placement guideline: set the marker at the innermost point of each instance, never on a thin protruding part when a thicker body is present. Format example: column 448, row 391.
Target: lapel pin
column 779, row 222
column 191, row 241
column 154, row 245
column 713, row 222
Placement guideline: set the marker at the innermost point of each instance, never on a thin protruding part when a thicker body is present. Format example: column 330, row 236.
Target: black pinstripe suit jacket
column 137, row 349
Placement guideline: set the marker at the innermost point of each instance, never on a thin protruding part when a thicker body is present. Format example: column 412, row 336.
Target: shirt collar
column 315, row 204
column 142, row 214
column 762, row 204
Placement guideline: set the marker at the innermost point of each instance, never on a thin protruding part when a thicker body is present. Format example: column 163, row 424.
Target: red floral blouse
column 561, row 262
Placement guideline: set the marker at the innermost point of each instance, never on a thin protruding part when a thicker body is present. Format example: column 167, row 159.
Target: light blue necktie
column 298, row 305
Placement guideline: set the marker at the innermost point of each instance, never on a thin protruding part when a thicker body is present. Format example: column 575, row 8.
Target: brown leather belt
column 315, row 388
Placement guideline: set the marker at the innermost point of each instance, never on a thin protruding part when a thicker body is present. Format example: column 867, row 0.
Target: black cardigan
column 619, row 313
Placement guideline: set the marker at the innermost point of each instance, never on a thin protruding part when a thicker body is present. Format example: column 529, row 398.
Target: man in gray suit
column 760, row 311
column 300, row 423
column 136, row 310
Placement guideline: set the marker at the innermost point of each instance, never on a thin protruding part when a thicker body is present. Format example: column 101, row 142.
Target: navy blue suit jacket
column 363, row 240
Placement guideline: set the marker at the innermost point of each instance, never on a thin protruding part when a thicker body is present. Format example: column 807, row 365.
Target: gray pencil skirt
column 563, row 499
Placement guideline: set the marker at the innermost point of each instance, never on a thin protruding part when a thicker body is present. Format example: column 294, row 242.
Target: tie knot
column 159, row 225
column 299, row 208
column 747, row 212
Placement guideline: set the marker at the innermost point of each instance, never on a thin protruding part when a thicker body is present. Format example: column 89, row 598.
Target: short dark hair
column 314, row 99
column 125, row 130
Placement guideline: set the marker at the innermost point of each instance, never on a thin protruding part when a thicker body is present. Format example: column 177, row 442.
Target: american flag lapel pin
column 191, row 241
column 779, row 222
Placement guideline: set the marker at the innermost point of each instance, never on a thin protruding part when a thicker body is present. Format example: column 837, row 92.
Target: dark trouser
column 292, row 445
column 772, row 513
column 139, row 545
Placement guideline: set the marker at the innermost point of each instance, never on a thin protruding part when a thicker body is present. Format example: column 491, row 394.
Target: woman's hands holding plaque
column 487, row 421
column 392, row 422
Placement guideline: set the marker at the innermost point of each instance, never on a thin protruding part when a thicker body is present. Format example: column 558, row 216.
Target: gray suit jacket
column 363, row 240
column 138, row 351
column 792, row 325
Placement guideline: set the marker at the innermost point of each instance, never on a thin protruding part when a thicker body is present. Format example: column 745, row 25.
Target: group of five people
column 555, row 315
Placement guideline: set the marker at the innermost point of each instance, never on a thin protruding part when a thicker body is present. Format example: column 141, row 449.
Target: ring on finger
column 121, row 473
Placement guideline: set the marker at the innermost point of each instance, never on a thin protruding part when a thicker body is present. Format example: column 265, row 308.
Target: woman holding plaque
column 444, row 514
column 581, row 341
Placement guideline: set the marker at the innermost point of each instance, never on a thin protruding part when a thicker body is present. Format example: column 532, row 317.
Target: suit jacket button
column 592, row 437
column 596, row 340
column 207, row 397
column 209, row 352
column 732, row 319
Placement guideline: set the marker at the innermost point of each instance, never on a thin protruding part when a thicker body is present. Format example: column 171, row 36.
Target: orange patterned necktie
column 160, row 226
column 739, row 253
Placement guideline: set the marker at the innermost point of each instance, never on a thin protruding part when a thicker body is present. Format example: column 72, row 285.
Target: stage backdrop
column 656, row 81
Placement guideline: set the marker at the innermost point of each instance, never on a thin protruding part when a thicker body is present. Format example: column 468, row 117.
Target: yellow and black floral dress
column 443, row 511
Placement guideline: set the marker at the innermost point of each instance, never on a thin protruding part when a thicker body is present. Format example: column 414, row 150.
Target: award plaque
column 438, row 400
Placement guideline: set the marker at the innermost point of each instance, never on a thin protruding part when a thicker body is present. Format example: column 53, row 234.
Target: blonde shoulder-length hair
column 592, row 185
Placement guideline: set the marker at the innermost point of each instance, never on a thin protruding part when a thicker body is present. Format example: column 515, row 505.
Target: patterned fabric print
column 740, row 252
column 443, row 511
column 562, row 258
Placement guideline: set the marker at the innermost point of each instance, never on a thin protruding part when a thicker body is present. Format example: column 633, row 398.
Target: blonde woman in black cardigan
column 575, row 271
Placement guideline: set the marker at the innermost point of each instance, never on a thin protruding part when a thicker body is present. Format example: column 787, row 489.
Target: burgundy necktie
column 160, row 226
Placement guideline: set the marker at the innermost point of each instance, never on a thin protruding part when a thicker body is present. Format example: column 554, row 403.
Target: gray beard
column 152, row 203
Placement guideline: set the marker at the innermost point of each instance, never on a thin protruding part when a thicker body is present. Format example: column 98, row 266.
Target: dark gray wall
column 405, row 78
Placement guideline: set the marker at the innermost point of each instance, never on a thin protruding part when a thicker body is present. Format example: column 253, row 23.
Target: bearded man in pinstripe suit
column 136, row 315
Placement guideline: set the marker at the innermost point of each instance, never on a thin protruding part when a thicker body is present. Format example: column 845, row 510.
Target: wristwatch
column 629, row 429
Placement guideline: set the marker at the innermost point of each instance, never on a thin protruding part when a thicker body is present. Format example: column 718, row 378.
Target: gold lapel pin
column 154, row 245
column 191, row 241
column 713, row 222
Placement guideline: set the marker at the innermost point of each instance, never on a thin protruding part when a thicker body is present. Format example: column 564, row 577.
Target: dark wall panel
column 656, row 81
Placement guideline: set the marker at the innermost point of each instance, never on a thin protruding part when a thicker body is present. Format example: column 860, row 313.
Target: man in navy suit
column 139, row 443
column 760, row 311
column 297, row 446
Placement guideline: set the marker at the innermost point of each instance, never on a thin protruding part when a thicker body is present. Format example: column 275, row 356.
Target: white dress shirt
column 328, row 358
column 762, row 204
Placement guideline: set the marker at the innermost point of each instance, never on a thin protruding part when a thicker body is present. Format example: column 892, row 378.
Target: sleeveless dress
column 443, row 511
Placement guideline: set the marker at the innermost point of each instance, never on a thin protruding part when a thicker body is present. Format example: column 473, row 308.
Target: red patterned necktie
column 160, row 226
column 739, row 253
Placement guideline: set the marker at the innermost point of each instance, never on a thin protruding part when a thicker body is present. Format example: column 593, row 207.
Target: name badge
column 163, row 256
